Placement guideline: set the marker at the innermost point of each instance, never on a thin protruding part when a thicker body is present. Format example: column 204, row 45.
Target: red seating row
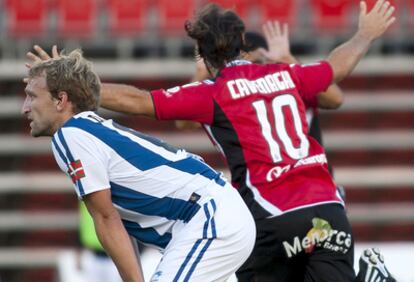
column 29, row 18
column 79, row 17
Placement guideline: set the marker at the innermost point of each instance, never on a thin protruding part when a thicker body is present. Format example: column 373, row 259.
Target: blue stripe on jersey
column 194, row 166
column 209, row 218
column 213, row 223
column 170, row 208
column 151, row 139
column 187, row 259
column 147, row 235
column 205, row 229
column 139, row 156
column 199, row 257
column 61, row 155
column 71, row 159
column 65, row 145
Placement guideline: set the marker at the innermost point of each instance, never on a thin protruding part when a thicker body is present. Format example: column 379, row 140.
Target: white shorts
column 212, row 245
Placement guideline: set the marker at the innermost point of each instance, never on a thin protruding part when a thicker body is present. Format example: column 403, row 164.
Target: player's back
column 153, row 185
column 260, row 125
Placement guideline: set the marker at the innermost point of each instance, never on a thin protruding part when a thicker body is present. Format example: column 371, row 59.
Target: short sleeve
column 188, row 102
column 82, row 158
column 312, row 79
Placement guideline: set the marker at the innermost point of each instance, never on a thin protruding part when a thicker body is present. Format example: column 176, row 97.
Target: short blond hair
column 73, row 74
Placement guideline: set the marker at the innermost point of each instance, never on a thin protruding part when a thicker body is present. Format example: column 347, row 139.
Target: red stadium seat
column 173, row 14
column 371, row 3
column 282, row 10
column 127, row 16
column 331, row 15
column 411, row 13
column 26, row 18
column 242, row 7
column 76, row 18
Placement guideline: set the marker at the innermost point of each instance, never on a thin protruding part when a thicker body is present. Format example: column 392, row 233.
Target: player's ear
column 62, row 100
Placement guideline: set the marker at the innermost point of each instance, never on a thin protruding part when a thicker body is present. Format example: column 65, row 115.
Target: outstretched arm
column 113, row 236
column 127, row 99
column 371, row 26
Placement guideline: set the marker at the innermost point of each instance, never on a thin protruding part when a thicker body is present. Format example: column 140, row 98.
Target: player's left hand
column 277, row 38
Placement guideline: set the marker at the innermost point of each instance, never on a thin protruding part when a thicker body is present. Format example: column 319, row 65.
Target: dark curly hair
column 219, row 35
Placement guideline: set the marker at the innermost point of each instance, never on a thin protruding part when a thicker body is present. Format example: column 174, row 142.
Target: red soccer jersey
column 256, row 116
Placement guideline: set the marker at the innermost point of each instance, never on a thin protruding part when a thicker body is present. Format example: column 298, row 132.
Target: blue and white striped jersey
column 153, row 185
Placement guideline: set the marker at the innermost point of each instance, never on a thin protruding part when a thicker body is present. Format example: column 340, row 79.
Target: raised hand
column 277, row 38
column 40, row 55
column 373, row 24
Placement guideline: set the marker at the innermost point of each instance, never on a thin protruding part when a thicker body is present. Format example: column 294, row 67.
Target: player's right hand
column 373, row 24
column 40, row 55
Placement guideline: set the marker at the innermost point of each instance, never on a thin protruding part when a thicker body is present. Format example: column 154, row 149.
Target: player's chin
column 35, row 132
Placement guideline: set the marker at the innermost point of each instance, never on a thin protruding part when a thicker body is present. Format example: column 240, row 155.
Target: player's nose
column 26, row 106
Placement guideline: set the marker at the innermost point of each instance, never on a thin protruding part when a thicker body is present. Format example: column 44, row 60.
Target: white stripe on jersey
column 215, row 143
column 309, row 116
column 181, row 154
column 272, row 209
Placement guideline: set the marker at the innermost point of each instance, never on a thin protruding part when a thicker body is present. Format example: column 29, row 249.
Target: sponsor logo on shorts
column 321, row 235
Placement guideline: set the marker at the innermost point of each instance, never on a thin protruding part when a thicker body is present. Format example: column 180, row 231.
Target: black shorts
column 310, row 244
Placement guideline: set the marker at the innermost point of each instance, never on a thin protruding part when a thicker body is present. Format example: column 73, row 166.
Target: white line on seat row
column 334, row 140
column 185, row 68
column 31, row 257
column 68, row 220
column 381, row 100
column 367, row 177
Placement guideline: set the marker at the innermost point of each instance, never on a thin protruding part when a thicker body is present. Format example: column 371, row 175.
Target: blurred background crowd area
column 142, row 28
column 369, row 140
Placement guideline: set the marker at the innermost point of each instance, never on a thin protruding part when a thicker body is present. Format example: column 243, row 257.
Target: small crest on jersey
column 194, row 198
column 76, row 171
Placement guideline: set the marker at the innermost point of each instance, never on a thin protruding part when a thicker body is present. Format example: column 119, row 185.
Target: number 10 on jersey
column 280, row 125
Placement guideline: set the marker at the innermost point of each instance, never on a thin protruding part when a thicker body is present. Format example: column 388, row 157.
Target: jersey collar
column 237, row 63
column 84, row 114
